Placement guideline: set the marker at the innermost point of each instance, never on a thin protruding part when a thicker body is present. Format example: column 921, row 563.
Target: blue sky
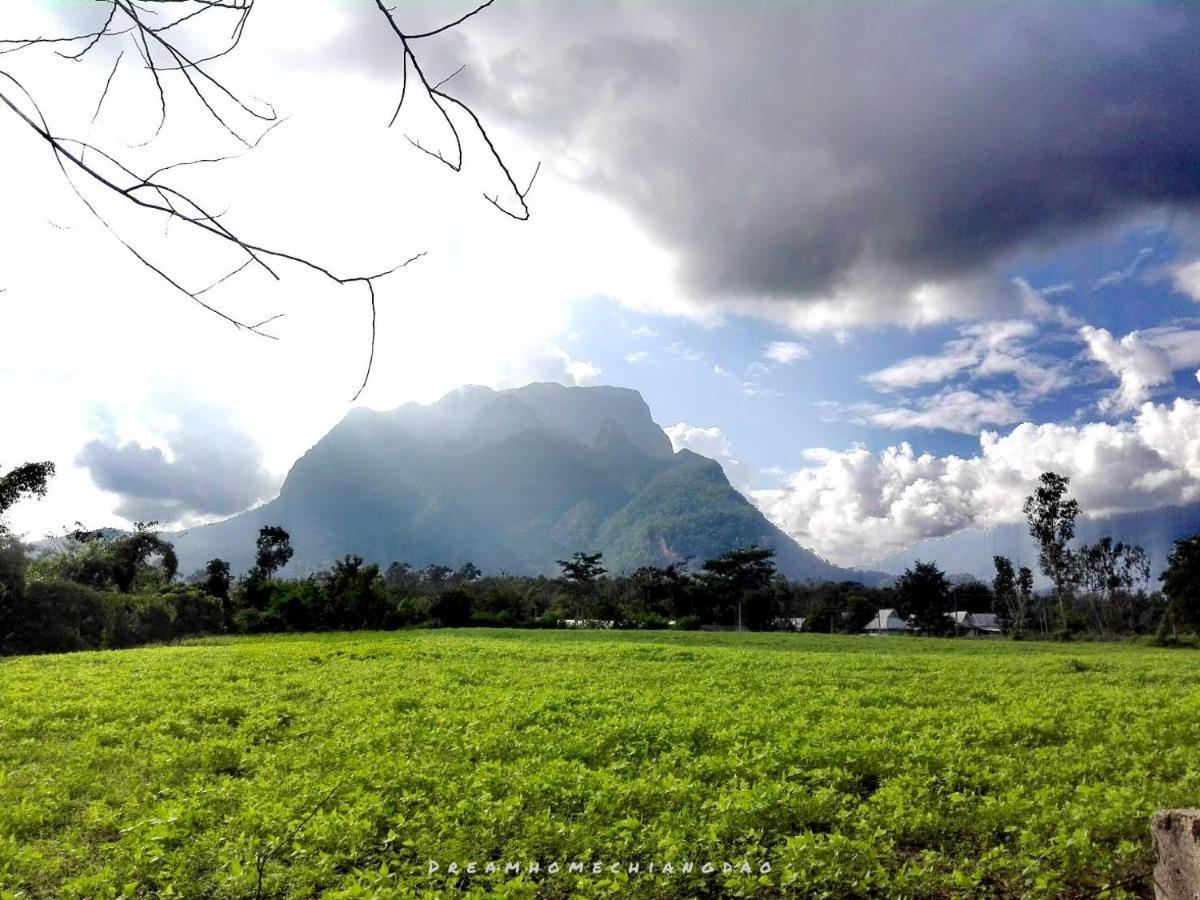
column 720, row 375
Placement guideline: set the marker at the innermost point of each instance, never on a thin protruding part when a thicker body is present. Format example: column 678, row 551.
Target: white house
column 886, row 621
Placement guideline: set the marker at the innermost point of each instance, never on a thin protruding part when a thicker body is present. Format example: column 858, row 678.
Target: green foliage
column 273, row 549
column 28, row 480
column 217, row 579
column 923, row 593
column 123, row 562
column 1181, row 585
column 738, row 586
column 340, row 765
column 452, row 608
column 54, row 616
column 582, row 568
column 1051, row 518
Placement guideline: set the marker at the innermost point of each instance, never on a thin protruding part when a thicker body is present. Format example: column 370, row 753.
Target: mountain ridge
column 511, row 481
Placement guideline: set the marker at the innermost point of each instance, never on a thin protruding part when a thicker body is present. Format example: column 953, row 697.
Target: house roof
column 984, row 621
column 885, row 620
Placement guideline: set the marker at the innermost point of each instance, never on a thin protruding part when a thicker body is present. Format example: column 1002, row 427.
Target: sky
column 887, row 262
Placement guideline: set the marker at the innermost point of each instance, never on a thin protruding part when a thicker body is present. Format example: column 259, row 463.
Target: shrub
column 56, row 615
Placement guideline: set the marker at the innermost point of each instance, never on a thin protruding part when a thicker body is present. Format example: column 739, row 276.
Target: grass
column 340, row 765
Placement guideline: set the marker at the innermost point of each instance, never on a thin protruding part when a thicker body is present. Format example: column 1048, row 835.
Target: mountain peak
column 510, row 480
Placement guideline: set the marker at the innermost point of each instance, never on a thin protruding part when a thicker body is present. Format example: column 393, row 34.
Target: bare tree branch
column 151, row 28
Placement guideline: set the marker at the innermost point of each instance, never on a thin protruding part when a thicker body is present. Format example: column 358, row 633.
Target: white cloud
column 1141, row 360
column 984, row 350
column 559, row 365
column 855, row 506
column 1053, row 290
column 1186, row 278
column 710, row 441
column 639, row 356
column 786, row 352
column 1118, row 276
column 963, row 411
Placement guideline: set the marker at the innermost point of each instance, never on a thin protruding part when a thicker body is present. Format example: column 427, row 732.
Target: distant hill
column 511, row 481
column 972, row 551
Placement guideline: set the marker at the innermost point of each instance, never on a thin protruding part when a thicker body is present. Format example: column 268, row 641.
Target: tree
column 133, row 554
column 436, row 575
column 106, row 560
column 217, row 579
column 1051, row 519
column 923, row 594
column 354, row 595
column 399, row 576
column 274, row 550
column 659, row 592
column 1004, row 590
column 1013, row 593
column 739, row 580
column 581, row 572
column 1181, row 585
column 29, row 480
column 466, row 573
column 581, row 568
column 1107, row 570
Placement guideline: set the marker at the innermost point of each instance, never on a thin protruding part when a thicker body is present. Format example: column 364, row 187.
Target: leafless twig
column 151, row 29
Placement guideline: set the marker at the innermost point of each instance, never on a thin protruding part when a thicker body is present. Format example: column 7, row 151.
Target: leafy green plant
column 342, row 765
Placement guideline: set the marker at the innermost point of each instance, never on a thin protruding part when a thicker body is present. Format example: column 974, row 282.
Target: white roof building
column 886, row 621
column 976, row 624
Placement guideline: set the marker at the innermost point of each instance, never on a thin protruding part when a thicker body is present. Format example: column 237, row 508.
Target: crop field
column 552, row 764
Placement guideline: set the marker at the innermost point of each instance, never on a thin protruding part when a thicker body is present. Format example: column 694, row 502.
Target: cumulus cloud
column 856, row 506
column 556, row 364
column 207, row 467
column 710, row 441
column 859, row 162
column 1141, row 360
column 786, row 352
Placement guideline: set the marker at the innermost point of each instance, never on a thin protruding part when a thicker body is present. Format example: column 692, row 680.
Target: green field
column 340, row 765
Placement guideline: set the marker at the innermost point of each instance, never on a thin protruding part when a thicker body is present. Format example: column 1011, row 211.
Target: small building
column 886, row 621
column 969, row 624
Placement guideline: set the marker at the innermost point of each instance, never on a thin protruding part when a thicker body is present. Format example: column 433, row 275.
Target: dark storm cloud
column 789, row 149
column 214, row 469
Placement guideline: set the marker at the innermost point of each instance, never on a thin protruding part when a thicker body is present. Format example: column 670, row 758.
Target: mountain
column 509, row 480
column 972, row 551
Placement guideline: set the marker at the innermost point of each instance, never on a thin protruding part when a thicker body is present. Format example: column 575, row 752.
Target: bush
column 134, row 619
column 501, row 619
column 688, row 623
column 55, row 616
column 452, row 608
column 195, row 611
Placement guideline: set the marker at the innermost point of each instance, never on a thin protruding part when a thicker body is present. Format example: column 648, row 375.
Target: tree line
column 109, row 589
